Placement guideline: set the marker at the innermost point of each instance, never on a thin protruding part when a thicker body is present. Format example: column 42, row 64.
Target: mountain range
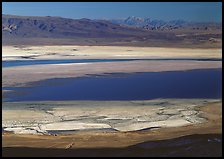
column 133, row 31
column 149, row 24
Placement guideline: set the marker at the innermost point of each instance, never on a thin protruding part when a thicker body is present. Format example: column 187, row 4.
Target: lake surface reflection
column 137, row 86
column 16, row 63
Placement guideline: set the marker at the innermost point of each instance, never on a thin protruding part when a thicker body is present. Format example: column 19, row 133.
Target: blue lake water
column 42, row 62
column 137, row 86
column 15, row 63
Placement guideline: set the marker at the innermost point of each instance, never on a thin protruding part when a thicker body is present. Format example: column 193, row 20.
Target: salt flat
column 206, row 119
column 123, row 116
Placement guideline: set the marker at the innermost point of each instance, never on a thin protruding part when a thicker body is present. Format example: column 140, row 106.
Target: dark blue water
column 138, row 86
column 15, row 63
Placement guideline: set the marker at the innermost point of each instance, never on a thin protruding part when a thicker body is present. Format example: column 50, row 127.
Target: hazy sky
column 190, row 11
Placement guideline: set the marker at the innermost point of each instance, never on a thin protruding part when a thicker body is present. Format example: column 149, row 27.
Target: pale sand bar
column 104, row 52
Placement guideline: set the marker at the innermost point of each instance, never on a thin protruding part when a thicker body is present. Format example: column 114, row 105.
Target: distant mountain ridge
column 149, row 24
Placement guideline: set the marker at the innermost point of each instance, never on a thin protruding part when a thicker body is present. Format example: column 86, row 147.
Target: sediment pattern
column 122, row 116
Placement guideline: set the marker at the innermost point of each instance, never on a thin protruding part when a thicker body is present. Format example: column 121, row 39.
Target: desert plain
column 63, row 125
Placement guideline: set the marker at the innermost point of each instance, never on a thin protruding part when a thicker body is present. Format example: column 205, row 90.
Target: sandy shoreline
column 212, row 112
column 104, row 52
